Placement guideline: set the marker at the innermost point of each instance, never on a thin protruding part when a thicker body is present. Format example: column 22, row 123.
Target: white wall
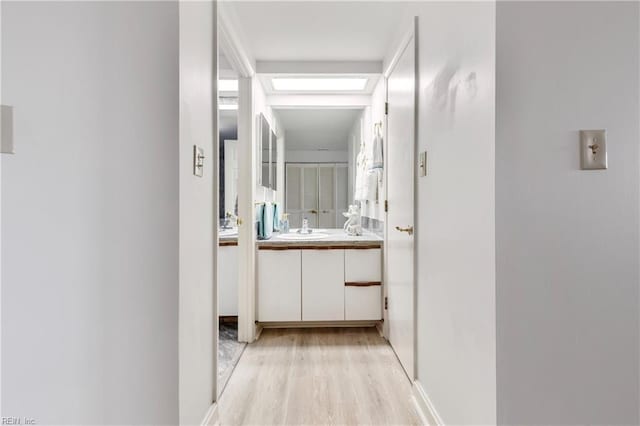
column 89, row 213
column 198, row 210
column 456, row 210
column 567, row 240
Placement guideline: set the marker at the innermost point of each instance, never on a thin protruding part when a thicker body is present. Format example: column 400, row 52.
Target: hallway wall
column 456, row 210
column 89, row 212
column 567, row 239
column 198, row 319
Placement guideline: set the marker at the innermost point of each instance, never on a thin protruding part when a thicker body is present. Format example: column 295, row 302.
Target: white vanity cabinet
column 319, row 284
column 363, row 284
column 322, row 285
column 279, row 285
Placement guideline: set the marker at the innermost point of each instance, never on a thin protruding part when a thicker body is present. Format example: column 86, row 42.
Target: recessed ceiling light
column 319, row 84
column 227, row 85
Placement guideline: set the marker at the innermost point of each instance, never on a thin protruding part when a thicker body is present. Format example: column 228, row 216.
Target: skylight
column 319, row 84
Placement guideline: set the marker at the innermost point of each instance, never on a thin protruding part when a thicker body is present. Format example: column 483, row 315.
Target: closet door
column 342, row 193
column 327, row 195
column 293, row 200
column 310, row 194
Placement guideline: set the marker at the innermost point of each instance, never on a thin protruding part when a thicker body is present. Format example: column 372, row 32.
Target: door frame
column 388, row 66
column 230, row 44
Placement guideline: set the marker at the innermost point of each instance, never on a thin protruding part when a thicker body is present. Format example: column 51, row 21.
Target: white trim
column 246, row 196
column 319, row 67
column 390, row 62
column 230, row 44
column 211, row 418
column 424, row 407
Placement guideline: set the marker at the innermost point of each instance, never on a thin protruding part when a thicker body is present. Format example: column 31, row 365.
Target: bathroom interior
column 314, row 230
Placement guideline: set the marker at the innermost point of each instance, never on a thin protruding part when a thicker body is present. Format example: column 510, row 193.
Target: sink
column 302, row 237
column 228, row 232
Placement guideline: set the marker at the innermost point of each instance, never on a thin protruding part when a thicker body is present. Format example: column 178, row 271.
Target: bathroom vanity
column 333, row 278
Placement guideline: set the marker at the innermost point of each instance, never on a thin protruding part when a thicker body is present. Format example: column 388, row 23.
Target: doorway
column 230, row 347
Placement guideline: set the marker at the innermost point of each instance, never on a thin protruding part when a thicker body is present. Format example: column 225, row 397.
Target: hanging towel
column 372, row 185
column 361, row 175
column 267, row 221
column 276, row 217
column 377, row 155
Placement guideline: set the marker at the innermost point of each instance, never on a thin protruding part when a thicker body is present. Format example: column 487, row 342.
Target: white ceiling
column 317, row 129
column 318, row 30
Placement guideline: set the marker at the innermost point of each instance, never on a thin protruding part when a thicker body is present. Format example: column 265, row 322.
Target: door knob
column 314, row 211
column 408, row 230
column 239, row 221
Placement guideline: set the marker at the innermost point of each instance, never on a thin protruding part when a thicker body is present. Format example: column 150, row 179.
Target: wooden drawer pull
column 362, row 283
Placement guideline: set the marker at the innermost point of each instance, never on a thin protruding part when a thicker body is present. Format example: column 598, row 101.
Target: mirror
column 321, row 147
column 274, row 162
column 268, row 157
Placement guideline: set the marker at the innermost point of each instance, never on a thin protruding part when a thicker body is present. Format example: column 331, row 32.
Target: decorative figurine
column 353, row 226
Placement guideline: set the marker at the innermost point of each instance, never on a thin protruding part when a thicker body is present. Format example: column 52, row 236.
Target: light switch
column 422, row 164
column 198, row 161
column 6, row 129
column 593, row 149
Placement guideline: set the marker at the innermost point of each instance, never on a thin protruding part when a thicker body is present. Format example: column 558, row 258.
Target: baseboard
column 424, row 407
column 211, row 418
column 318, row 324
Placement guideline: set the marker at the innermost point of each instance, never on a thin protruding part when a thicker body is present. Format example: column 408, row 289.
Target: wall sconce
column 6, row 130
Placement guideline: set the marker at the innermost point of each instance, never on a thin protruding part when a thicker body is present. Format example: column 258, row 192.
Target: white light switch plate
column 593, row 149
column 422, row 164
column 6, row 129
column 198, row 161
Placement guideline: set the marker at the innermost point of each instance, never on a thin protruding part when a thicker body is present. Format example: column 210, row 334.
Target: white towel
column 377, row 158
column 361, row 176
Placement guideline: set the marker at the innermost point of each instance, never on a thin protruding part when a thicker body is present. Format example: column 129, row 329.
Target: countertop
column 337, row 238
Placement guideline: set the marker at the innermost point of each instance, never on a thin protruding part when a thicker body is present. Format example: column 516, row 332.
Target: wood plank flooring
column 321, row 376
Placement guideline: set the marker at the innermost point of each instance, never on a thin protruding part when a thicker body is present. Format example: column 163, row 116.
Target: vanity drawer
column 363, row 302
column 363, row 265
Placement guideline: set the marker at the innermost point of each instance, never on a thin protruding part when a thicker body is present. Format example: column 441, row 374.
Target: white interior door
column 293, row 199
column 310, row 194
column 230, row 175
column 342, row 193
column 400, row 180
column 327, row 195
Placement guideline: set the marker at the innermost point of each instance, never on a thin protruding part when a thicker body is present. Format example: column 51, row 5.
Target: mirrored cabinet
column 268, row 154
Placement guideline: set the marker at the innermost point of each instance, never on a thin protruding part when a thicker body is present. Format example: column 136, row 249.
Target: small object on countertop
column 284, row 224
column 353, row 226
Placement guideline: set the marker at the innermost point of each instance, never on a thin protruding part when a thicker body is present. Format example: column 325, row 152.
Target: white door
column 230, row 176
column 310, row 194
column 400, row 172
column 326, row 195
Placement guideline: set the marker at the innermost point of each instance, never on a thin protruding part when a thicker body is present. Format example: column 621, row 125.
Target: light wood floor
column 340, row 376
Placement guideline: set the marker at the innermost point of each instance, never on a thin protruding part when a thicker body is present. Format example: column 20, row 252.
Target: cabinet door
column 279, row 285
column 322, row 285
column 363, row 265
column 363, row 303
column 228, row 281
